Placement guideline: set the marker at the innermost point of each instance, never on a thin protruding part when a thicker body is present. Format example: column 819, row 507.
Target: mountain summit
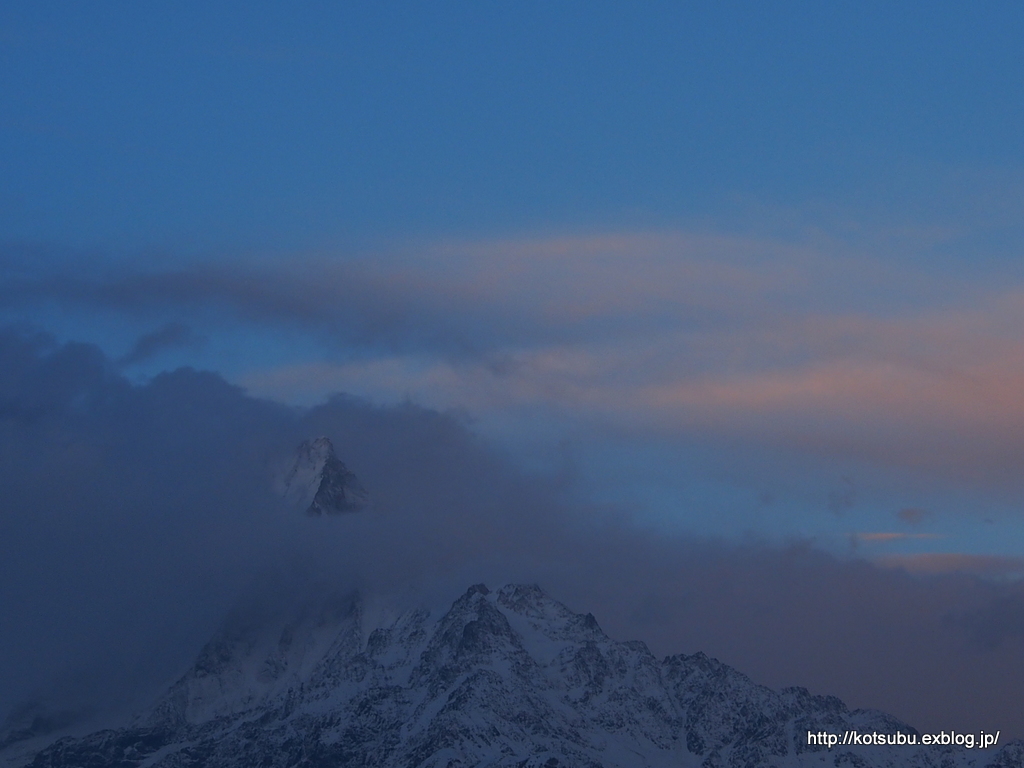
column 508, row 678
column 320, row 482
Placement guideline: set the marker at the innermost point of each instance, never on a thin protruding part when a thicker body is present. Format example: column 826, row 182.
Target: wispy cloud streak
column 813, row 345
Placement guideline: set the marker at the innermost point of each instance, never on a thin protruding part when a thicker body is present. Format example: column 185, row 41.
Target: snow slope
column 503, row 678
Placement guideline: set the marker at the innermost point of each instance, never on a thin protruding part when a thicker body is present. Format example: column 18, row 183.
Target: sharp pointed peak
column 319, row 481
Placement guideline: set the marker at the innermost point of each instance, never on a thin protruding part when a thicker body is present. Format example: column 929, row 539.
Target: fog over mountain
column 136, row 516
column 500, row 678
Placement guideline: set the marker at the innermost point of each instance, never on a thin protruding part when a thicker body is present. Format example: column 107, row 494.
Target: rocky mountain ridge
column 503, row 678
column 318, row 481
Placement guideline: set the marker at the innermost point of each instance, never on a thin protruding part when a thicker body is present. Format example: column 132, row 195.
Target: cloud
column 135, row 515
column 452, row 297
column 890, row 536
column 150, row 344
column 810, row 347
column 999, row 623
column 351, row 303
column 843, row 498
column 912, row 515
column 955, row 562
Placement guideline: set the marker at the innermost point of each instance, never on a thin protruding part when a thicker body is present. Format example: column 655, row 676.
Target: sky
column 738, row 285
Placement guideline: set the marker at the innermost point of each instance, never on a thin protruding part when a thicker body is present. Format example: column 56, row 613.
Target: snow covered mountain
column 318, row 481
column 503, row 678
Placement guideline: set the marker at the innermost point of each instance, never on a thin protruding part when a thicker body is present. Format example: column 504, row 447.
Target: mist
column 135, row 516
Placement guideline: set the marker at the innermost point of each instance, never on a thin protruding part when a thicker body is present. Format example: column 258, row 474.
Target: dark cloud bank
column 167, row 336
column 134, row 517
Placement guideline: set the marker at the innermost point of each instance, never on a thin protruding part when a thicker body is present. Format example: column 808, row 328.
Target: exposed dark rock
column 506, row 678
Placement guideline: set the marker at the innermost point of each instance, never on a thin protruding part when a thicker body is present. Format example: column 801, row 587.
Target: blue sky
column 746, row 270
column 191, row 127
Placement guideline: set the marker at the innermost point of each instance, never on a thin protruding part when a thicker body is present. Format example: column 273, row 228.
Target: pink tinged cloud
column 955, row 562
column 836, row 353
column 893, row 536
